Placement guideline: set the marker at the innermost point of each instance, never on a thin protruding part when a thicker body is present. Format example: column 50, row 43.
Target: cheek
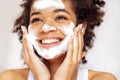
column 67, row 29
column 34, row 30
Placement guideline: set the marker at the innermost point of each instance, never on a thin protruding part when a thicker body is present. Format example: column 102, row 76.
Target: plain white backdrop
column 104, row 56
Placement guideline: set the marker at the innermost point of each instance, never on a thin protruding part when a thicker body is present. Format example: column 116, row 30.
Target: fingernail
column 83, row 30
column 80, row 26
column 76, row 29
column 22, row 27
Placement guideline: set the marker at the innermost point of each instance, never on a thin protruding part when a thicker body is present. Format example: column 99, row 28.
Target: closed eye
column 61, row 18
column 34, row 20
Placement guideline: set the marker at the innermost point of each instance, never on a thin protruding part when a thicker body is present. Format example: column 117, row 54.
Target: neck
column 54, row 64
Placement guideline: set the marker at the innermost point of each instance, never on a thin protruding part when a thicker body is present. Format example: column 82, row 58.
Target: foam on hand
column 44, row 4
column 56, row 50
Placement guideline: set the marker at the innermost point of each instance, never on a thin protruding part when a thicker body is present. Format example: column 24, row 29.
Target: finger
column 70, row 49
column 77, row 43
column 80, row 40
column 84, row 27
column 75, row 47
column 28, row 48
column 82, row 32
column 24, row 30
column 26, row 38
column 25, row 53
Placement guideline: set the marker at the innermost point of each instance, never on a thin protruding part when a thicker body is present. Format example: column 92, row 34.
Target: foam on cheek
column 67, row 29
column 31, row 35
column 44, row 4
column 60, row 49
column 54, row 51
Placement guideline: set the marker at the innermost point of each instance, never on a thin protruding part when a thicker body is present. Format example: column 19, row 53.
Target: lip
column 50, row 45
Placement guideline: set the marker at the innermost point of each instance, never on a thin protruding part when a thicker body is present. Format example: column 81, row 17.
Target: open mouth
column 49, row 42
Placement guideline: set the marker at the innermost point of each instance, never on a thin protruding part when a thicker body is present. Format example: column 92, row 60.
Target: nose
column 47, row 26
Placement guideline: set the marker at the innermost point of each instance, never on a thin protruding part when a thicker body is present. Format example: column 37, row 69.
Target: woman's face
column 48, row 18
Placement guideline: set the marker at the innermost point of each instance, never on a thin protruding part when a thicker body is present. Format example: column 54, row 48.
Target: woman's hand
column 69, row 67
column 37, row 67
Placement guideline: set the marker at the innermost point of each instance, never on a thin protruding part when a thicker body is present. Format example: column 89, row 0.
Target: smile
column 49, row 42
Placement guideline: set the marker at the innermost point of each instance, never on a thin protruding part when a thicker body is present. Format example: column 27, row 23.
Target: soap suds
column 44, row 4
column 47, row 28
column 56, row 50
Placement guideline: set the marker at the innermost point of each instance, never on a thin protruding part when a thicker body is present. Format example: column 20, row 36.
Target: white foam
column 57, row 50
column 67, row 29
column 44, row 4
column 47, row 28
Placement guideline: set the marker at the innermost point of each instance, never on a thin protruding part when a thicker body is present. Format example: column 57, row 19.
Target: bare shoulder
column 16, row 74
column 96, row 75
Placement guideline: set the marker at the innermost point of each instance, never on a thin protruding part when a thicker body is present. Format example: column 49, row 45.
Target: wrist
column 61, row 78
column 43, row 78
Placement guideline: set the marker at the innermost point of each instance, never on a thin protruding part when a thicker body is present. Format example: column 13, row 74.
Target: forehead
column 44, row 4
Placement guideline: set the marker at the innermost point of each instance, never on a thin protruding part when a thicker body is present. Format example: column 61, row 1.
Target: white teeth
column 48, row 41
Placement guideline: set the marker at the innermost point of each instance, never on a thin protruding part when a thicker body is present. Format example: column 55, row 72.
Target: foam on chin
column 44, row 4
column 56, row 50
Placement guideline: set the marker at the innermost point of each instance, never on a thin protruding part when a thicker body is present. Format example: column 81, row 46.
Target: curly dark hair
column 88, row 11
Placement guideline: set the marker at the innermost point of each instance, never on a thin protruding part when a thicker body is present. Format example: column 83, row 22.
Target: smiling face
column 51, row 25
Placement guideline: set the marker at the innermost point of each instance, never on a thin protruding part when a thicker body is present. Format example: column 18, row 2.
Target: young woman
column 56, row 35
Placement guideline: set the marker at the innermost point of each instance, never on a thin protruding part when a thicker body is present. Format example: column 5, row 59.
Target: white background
column 104, row 56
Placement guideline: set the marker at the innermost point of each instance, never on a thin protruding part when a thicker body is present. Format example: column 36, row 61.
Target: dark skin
column 68, row 62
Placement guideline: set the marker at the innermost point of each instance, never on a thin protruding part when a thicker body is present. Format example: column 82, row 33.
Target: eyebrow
column 61, row 10
column 55, row 11
column 35, row 13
